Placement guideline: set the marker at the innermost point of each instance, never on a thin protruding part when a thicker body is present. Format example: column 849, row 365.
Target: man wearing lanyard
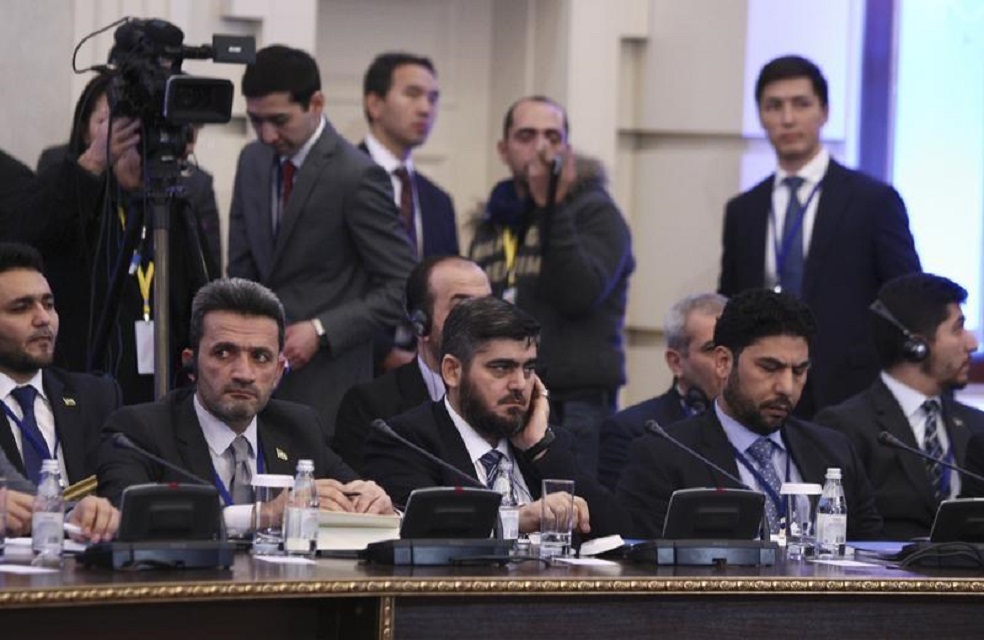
column 46, row 412
column 554, row 242
column 912, row 399
column 313, row 218
column 817, row 230
column 227, row 429
column 400, row 98
column 762, row 344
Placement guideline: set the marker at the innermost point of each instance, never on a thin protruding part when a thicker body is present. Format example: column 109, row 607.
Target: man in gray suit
column 314, row 220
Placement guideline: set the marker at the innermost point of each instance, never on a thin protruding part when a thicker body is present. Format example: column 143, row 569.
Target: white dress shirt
column 42, row 413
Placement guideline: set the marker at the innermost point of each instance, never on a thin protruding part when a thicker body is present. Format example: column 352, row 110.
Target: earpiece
column 914, row 348
column 420, row 322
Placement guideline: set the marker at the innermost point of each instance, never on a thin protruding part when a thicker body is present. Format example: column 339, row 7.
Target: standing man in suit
column 554, row 242
column 400, row 94
column 689, row 332
column 227, row 429
column 47, row 413
column 435, row 286
column 817, row 230
column 762, row 344
column 924, row 350
column 313, row 219
column 493, row 420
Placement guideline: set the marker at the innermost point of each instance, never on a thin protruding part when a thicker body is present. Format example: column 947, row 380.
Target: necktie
column 761, row 453
column 31, row 435
column 791, row 269
column 285, row 177
column 242, row 478
column 406, row 205
column 490, row 462
column 933, row 447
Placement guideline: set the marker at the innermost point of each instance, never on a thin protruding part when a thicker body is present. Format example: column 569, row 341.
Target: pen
column 72, row 529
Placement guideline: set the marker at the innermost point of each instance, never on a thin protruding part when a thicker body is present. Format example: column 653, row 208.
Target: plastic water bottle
column 301, row 519
column 832, row 517
column 47, row 535
column 508, row 509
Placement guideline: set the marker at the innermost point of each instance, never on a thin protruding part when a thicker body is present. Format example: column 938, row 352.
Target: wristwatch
column 320, row 330
column 540, row 446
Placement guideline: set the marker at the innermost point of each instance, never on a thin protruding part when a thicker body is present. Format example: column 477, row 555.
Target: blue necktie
column 791, row 269
column 30, row 434
column 761, row 452
column 933, row 447
column 490, row 462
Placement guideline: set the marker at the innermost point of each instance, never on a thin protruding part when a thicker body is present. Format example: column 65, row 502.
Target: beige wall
column 658, row 89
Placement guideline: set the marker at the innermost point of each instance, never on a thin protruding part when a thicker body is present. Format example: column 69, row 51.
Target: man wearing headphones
column 434, row 287
column 924, row 350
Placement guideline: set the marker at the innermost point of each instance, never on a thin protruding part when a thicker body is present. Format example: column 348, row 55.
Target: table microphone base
column 160, row 554
column 704, row 553
column 436, row 551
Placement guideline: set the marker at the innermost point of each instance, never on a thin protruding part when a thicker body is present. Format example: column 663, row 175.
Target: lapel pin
column 958, row 422
column 69, row 402
column 281, row 455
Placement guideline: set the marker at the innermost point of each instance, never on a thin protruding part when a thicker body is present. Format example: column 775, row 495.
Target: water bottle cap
column 305, row 465
column 833, row 473
column 50, row 464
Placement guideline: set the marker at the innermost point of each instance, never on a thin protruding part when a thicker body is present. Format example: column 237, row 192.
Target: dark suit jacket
column 169, row 428
column 80, row 403
column 657, row 468
column 860, row 240
column 340, row 255
column 400, row 471
column 391, row 394
column 619, row 430
column 972, row 487
column 903, row 493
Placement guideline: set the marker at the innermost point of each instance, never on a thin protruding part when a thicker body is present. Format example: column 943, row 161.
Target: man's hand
column 538, row 173
column 536, row 427
column 97, row 518
column 99, row 154
column 301, row 344
column 358, row 496
column 129, row 170
column 557, row 505
column 20, row 507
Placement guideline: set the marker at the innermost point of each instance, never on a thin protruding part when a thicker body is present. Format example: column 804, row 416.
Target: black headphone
column 914, row 348
column 420, row 322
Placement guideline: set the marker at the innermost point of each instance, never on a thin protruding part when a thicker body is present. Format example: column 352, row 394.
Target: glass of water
column 556, row 518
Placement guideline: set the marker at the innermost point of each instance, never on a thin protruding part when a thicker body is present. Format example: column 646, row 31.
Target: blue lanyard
column 762, row 482
column 40, row 447
column 221, row 486
column 789, row 235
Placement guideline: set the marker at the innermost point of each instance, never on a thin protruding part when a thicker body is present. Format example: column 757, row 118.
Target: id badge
column 143, row 332
column 509, row 295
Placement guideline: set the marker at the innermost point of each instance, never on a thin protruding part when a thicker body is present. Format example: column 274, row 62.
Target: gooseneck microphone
column 121, row 441
column 887, row 439
column 381, row 426
column 654, row 428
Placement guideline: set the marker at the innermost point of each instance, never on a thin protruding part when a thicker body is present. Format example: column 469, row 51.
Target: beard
column 23, row 362
column 750, row 414
column 487, row 422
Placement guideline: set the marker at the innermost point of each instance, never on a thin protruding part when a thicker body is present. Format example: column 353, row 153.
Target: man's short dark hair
column 475, row 322
column 379, row 76
column 917, row 300
column 97, row 87
column 762, row 313
column 14, row 255
column 419, row 293
column 282, row 69
column 239, row 296
column 790, row 67
column 507, row 122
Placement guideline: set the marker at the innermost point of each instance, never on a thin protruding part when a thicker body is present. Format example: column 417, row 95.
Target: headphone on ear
column 420, row 322
column 914, row 348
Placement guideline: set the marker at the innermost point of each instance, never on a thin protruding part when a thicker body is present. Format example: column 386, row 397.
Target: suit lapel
column 457, row 452
column 259, row 226
column 956, row 430
column 812, row 468
column 191, row 444
column 9, row 445
column 276, row 448
column 757, row 226
column 66, row 412
column 889, row 417
column 831, row 207
column 304, row 183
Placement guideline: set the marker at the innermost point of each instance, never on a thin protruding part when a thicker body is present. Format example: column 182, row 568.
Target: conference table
column 336, row 598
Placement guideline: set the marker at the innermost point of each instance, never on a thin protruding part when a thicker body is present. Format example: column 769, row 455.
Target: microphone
column 654, row 428
column 887, row 439
column 380, row 425
column 121, row 441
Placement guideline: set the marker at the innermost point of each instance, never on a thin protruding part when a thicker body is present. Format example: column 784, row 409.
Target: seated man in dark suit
column 434, row 287
column 924, row 350
column 762, row 343
column 227, row 428
column 493, row 420
column 47, row 412
column 689, row 332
